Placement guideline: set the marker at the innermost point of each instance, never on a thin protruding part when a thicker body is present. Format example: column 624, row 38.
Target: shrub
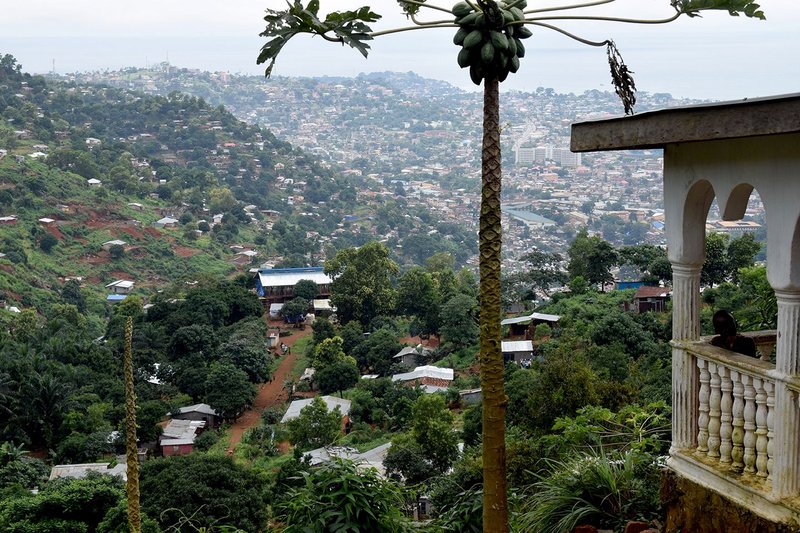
column 604, row 490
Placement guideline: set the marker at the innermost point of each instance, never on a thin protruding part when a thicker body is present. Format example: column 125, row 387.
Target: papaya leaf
column 346, row 27
column 693, row 8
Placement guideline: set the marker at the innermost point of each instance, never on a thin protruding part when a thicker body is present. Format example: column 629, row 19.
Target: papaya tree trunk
column 134, row 514
column 495, row 504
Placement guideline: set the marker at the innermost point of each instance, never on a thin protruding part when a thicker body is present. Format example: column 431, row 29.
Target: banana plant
column 490, row 34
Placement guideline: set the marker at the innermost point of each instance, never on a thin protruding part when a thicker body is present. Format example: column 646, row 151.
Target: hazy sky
column 717, row 56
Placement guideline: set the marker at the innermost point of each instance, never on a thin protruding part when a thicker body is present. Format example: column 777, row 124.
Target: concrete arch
column 688, row 237
column 733, row 203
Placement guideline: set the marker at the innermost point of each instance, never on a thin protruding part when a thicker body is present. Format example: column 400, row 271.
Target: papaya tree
column 490, row 34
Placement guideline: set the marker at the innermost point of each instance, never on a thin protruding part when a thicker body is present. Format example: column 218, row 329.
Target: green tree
column 432, row 429
column 249, row 355
column 316, row 426
column 337, row 377
column 70, row 505
column 542, row 271
column 417, row 296
column 71, row 294
column 374, row 353
column 229, row 390
column 458, row 323
column 741, row 254
column 47, row 243
column 323, row 329
column 306, row 289
column 591, row 258
column 116, row 251
column 490, row 36
column 329, row 352
column 406, row 460
column 296, row 307
column 362, row 285
column 211, row 489
column 715, row 268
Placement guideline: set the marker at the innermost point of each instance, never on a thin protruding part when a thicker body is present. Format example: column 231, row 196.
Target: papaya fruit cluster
column 490, row 38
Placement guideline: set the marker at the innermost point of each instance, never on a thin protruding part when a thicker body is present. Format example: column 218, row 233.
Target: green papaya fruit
column 468, row 20
column 487, row 53
column 461, row 9
column 473, row 39
column 476, row 73
column 460, row 35
column 522, row 32
column 463, row 58
column 499, row 40
column 520, row 47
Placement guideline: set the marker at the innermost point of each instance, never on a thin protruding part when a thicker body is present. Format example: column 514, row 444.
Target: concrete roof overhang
column 754, row 117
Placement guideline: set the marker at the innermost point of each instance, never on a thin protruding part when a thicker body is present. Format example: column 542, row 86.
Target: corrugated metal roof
column 517, row 346
column 80, row 470
column 426, row 371
column 285, row 277
column 331, row 401
column 533, row 316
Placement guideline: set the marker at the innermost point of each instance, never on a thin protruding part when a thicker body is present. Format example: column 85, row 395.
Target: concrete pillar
column 786, row 472
column 685, row 375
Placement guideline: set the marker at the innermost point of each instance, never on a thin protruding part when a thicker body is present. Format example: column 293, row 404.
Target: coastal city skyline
column 713, row 57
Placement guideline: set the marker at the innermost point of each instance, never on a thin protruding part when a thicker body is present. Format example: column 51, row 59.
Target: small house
column 166, row 222
column 429, row 378
column 79, row 471
column 470, row 396
column 332, row 402
column 524, row 326
column 410, row 355
column 179, row 435
column 199, row 411
column 108, row 244
column 650, row 299
column 94, row 182
column 276, row 285
column 517, row 351
column 120, row 286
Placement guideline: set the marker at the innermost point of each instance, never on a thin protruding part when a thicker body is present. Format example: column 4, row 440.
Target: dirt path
column 269, row 394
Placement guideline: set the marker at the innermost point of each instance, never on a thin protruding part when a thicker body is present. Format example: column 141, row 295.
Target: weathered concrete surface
column 689, row 507
column 705, row 122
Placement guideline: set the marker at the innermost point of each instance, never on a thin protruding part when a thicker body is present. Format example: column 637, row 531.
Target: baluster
column 725, row 427
column 749, row 425
column 702, row 419
column 738, row 422
column 713, row 412
column 770, row 388
column 761, row 428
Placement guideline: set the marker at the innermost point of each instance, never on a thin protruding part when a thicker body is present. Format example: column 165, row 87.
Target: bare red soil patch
column 153, row 232
column 431, row 342
column 183, row 251
column 55, row 232
column 133, row 232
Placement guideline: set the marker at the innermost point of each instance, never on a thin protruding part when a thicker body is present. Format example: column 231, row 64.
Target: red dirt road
column 269, row 394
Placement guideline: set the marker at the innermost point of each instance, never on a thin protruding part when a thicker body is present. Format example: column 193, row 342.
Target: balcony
column 735, row 422
column 735, row 419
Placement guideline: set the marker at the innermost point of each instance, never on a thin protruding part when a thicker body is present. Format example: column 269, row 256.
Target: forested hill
column 233, row 188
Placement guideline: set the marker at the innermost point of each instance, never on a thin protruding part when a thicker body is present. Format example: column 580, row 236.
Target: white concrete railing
column 735, row 411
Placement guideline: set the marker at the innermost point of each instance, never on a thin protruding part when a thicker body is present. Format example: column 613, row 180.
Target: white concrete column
column 786, row 473
column 685, row 374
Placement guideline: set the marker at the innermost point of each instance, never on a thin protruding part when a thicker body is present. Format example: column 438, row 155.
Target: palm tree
column 489, row 32
column 45, row 400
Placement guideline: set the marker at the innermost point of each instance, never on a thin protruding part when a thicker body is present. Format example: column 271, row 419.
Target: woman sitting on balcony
column 727, row 336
